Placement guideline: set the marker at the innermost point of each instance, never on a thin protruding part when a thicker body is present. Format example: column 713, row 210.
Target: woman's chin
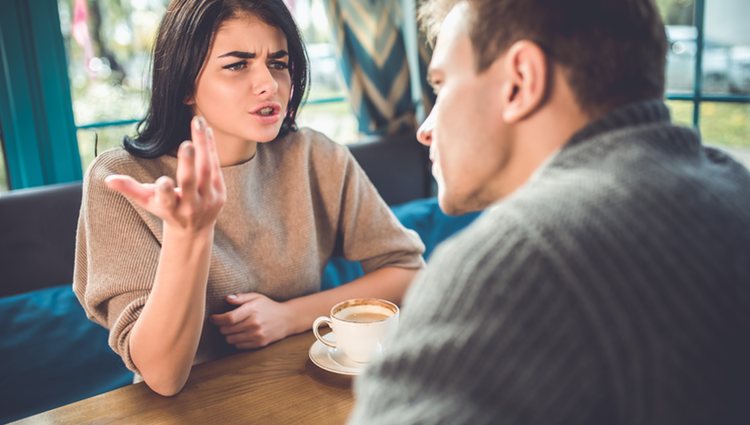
column 264, row 135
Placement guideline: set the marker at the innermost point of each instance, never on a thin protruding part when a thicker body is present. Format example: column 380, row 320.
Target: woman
column 225, row 250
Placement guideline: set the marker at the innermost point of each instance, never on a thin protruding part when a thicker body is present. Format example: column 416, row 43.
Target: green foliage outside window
column 676, row 12
column 725, row 124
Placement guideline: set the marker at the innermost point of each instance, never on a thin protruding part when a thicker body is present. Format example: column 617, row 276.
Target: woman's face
column 244, row 87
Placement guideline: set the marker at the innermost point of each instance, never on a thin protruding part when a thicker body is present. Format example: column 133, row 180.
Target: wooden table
column 276, row 385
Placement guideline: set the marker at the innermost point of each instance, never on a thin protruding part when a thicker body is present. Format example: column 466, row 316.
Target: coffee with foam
column 360, row 326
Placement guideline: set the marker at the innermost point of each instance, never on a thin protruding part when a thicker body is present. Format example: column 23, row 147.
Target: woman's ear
column 525, row 69
column 190, row 101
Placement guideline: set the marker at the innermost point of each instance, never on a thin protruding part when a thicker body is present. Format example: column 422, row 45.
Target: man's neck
column 543, row 134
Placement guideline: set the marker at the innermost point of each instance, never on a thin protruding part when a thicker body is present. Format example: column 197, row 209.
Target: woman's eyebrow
column 248, row 55
column 278, row 55
column 238, row 54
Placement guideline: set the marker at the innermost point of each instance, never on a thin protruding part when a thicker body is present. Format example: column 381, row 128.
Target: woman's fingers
column 193, row 205
column 243, row 326
column 251, row 338
column 197, row 201
column 202, row 155
column 166, row 199
column 158, row 198
column 217, row 178
column 186, row 171
column 139, row 193
column 232, row 317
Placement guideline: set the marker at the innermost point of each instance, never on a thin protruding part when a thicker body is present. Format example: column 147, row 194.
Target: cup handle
column 316, row 324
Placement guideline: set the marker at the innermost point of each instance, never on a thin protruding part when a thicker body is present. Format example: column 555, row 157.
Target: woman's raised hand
column 195, row 202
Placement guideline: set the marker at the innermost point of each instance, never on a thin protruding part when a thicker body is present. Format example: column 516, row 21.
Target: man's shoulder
column 498, row 229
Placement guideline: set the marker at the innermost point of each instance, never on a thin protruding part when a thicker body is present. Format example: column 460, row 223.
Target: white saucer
column 333, row 360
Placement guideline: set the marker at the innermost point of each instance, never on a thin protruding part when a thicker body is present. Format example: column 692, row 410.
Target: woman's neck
column 234, row 152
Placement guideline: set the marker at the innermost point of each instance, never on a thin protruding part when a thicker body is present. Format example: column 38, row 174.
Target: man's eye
column 278, row 65
column 237, row 66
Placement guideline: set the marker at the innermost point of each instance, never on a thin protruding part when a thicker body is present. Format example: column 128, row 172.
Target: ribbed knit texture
column 613, row 288
column 299, row 201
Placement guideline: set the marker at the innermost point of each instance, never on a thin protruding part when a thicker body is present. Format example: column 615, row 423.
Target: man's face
column 469, row 143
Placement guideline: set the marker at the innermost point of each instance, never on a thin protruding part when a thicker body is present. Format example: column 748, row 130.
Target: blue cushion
column 423, row 216
column 52, row 354
column 433, row 225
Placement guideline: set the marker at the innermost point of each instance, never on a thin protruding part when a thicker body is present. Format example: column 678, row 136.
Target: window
column 108, row 45
column 327, row 109
column 708, row 38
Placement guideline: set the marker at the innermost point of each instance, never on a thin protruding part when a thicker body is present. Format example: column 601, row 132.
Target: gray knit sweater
column 613, row 288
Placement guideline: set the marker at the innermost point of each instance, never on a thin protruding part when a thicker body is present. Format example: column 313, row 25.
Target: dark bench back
column 398, row 166
column 37, row 237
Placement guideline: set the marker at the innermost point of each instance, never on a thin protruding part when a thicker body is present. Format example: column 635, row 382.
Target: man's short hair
column 613, row 51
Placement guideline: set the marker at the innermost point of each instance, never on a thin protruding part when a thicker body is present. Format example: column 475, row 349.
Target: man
column 608, row 281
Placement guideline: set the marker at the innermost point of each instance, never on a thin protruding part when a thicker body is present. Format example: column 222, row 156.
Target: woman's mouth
column 267, row 109
column 267, row 113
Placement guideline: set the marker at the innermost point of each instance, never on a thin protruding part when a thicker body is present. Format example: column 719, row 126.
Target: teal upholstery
column 424, row 217
column 52, row 354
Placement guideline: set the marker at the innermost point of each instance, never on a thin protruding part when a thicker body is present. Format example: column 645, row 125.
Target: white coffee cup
column 360, row 326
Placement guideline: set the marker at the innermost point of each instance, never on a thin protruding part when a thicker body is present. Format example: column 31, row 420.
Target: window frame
column 697, row 97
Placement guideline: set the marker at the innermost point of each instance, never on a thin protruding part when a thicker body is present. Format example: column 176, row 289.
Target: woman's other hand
column 195, row 202
column 256, row 321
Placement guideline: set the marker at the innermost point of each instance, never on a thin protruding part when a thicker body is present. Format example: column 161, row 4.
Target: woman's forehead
column 248, row 29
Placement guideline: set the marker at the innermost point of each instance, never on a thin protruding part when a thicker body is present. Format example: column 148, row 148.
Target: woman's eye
column 278, row 65
column 237, row 66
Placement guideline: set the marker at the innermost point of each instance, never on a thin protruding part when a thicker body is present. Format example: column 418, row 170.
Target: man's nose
column 424, row 133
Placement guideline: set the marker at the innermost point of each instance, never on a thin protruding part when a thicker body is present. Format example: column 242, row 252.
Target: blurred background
column 710, row 39
column 109, row 71
column 108, row 43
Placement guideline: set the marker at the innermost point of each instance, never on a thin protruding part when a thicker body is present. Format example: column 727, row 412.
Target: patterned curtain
column 370, row 41
column 425, row 54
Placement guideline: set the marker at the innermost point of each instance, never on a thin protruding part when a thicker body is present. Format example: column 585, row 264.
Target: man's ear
column 525, row 70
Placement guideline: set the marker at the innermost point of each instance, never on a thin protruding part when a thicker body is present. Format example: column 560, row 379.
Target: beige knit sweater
column 299, row 201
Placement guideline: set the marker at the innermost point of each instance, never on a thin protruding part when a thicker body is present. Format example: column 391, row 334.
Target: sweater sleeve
column 487, row 335
column 116, row 257
column 369, row 232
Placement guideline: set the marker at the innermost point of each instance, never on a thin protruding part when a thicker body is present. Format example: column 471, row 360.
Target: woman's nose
column 424, row 133
column 264, row 82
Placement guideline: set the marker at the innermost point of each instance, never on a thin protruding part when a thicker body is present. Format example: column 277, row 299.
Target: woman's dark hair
column 181, row 47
